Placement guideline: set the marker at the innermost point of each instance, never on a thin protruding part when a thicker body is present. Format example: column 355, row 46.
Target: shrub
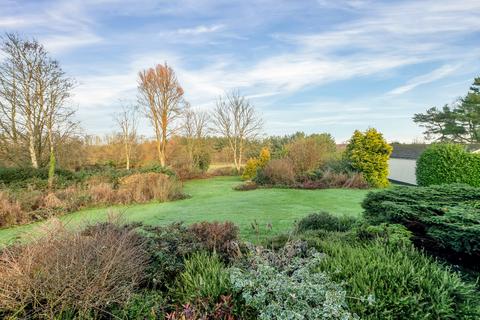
column 203, row 279
column 292, row 290
column 224, row 171
column 445, row 219
column 327, row 222
column 246, row 186
column 102, row 193
column 445, row 163
column 66, row 272
column 388, row 234
column 368, row 153
column 329, row 179
column 224, row 309
column 250, row 170
column 220, row 238
column 150, row 186
column 309, row 153
column 255, row 164
column 10, row 211
column 167, row 246
column 148, row 305
column 384, row 282
column 277, row 172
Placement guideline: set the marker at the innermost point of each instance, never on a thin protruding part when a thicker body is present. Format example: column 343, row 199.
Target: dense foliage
column 368, row 152
column 448, row 163
column 444, row 218
column 326, row 221
column 255, row 164
column 284, row 285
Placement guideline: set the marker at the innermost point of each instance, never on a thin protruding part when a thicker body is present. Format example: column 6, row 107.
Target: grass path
column 214, row 199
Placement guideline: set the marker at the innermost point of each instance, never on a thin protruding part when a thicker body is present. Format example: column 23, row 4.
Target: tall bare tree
column 236, row 119
column 195, row 129
column 33, row 95
column 127, row 122
column 162, row 97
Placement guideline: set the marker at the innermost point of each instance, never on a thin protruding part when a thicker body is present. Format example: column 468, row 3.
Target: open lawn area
column 214, row 199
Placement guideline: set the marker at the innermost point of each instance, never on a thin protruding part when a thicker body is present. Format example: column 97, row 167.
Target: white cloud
column 434, row 75
column 200, row 29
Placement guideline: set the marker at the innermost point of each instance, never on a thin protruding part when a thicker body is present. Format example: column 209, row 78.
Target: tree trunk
column 31, row 149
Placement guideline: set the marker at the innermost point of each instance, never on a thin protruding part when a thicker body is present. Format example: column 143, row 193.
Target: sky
column 306, row 65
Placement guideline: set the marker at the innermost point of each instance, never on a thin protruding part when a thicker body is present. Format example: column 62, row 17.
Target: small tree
column 235, row 118
column 195, row 130
column 127, row 122
column 368, row 153
column 311, row 152
column 162, row 97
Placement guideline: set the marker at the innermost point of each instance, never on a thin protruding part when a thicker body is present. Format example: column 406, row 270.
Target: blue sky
column 311, row 65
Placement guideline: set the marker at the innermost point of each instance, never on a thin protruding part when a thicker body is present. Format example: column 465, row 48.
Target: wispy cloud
column 200, row 29
column 434, row 75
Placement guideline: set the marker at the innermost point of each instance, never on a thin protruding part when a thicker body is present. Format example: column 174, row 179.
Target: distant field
column 214, row 199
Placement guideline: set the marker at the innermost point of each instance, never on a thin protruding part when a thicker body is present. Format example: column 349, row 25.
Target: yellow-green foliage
column 253, row 164
column 368, row 152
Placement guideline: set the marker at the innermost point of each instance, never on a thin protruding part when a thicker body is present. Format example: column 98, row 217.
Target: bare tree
column 162, row 97
column 235, row 118
column 127, row 122
column 33, row 94
column 195, row 129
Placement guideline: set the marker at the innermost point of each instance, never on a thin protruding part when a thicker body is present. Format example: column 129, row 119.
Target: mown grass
column 274, row 210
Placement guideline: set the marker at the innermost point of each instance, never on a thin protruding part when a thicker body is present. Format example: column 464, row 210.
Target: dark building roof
column 414, row 150
column 407, row 151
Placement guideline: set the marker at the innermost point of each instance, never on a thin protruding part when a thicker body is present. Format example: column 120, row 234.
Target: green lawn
column 214, row 199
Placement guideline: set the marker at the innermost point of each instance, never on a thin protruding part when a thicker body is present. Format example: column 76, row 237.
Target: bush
column 329, row 179
column 71, row 273
column 246, row 186
column 10, row 211
column 292, row 290
column 445, row 163
column 384, row 282
column 217, row 237
column 327, row 222
column 23, row 176
column 224, row 171
column 388, row 234
column 255, row 164
column 368, row 153
column 204, row 279
column 148, row 305
column 445, row 219
column 150, row 186
column 277, row 172
column 167, row 246
column 310, row 153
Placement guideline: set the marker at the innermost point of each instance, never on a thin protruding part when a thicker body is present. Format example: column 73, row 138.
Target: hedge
column 448, row 163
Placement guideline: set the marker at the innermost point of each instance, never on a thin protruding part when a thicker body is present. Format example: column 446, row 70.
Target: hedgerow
column 445, row 163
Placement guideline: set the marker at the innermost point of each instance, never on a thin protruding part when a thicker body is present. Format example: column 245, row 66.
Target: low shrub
column 444, row 163
column 277, row 172
column 385, row 282
column 224, row 309
column 71, row 273
column 293, row 290
column 246, row 186
column 218, row 237
column 329, row 179
column 150, row 186
column 388, row 234
column 10, row 211
column 204, row 279
column 223, row 171
column 148, row 305
column 167, row 247
column 445, row 219
column 327, row 222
